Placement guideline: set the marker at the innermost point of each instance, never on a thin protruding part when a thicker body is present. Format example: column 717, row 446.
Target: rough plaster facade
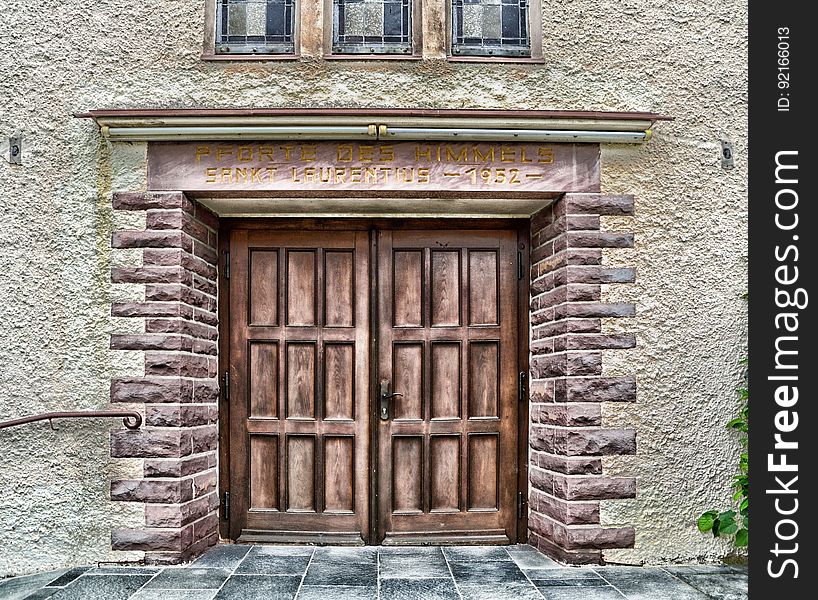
column 684, row 60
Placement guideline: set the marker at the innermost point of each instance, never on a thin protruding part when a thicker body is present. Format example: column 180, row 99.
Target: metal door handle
column 386, row 396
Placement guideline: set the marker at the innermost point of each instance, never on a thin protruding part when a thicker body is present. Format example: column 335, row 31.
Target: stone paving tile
column 101, row 587
column 259, row 587
column 124, row 571
column 503, row 591
column 585, row 593
column 67, row 577
column 337, row 592
column 418, row 589
column 698, row 569
column 284, row 550
column 413, row 566
column 587, row 582
column 260, row 563
column 639, row 583
column 225, row 556
column 357, row 554
column 430, row 551
column 40, row 594
column 189, row 578
column 173, row 595
column 18, row 588
column 475, row 553
column 561, row 573
column 717, row 584
column 527, row 557
column 486, row 573
column 342, row 573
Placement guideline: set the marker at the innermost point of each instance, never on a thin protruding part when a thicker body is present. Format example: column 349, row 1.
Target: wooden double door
column 373, row 386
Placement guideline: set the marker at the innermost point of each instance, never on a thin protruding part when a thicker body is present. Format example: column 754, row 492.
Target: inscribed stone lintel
column 353, row 167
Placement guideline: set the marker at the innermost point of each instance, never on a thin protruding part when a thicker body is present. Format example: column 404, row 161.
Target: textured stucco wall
column 686, row 60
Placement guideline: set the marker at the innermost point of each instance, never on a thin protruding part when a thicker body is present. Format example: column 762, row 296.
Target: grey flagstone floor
column 380, row 573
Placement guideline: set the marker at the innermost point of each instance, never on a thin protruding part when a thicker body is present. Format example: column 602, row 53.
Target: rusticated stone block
column 595, row 389
column 180, row 293
column 541, row 391
column 569, row 223
column 597, row 342
column 594, row 274
column 178, row 364
column 567, row 465
column 204, row 438
column 173, row 539
column 181, row 326
column 599, row 204
column 206, row 526
column 203, row 316
column 572, row 557
column 564, row 326
column 150, row 443
column 176, row 219
column 156, row 275
column 180, row 415
column 178, row 515
column 566, row 363
column 178, row 467
column 204, row 347
column 594, row 441
column 573, row 292
column 130, row 238
column 581, row 487
column 594, row 310
column 582, row 537
column 162, row 257
column 206, row 216
column 206, row 252
column 149, row 200
column 151, row 309
column 206, row 391
column 576, row 415
column 151, row 389
column 204, row 483
column 156, row 491
column 570, row 513
column 597, row 239
column 130, row 341
column 204, row 285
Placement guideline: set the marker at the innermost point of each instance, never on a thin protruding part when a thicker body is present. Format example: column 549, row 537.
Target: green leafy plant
column 735, row 522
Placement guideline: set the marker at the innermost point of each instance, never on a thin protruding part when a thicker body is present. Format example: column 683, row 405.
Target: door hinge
column 226, row 506
column 227, row 265
column 520, row 265
column 226, row 385
column 522, row 377
column 521, row 505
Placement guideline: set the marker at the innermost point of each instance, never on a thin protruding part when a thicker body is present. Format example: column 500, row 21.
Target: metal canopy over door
column 307, row 399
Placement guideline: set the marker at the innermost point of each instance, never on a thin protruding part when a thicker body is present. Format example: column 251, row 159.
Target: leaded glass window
column 490, row 28
column 372, row 26
column 255, row 26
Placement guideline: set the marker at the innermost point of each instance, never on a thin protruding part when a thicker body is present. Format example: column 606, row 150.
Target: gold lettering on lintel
column 399, row 166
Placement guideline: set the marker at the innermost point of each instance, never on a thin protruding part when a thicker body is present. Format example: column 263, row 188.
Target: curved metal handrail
column 131, row 419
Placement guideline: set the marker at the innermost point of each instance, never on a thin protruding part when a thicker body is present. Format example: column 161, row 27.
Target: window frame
column 535, row 39
column 313, row 36
column 415, row 35
column 212, row 51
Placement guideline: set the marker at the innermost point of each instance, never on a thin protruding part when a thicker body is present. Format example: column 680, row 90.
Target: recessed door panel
column 313, row 445
column 451, row 363
column 299, row 386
